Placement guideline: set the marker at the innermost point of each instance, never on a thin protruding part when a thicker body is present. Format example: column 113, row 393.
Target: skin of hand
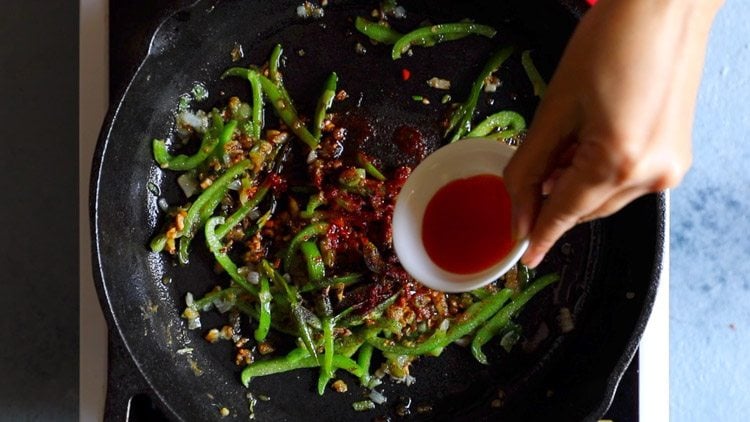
column 616, row 120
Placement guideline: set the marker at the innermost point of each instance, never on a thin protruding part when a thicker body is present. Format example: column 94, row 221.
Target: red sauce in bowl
column 467, row 224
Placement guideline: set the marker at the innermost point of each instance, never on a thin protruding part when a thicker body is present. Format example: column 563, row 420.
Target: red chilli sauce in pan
column 467, row 224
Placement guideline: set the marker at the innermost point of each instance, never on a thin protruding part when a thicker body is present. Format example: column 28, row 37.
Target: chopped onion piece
column 566, row 320
column 235, row 185
column 189, row 299
column 223, row 305
column 309, row 10
column 188, row 184
column 399, row 12
column 253, row 277
column 380, row 372
column 374, row 382
column 463, row 341
column 312, row 156
column 509, row 340
column 377, row 397
column 196, row 121
column 162, row 203
column 439, row 83
column 492, row 83
column 533, row 343
column 194, row 323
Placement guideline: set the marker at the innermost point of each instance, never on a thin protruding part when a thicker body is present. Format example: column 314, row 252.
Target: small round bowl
column 459, row 160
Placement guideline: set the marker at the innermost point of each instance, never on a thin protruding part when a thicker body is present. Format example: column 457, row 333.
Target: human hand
column 616, row 120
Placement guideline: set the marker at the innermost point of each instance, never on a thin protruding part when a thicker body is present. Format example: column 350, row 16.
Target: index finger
column 536, row 158
column 577, row 193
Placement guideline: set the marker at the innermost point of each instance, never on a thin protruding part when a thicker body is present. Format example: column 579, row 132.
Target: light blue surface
column 710, row 241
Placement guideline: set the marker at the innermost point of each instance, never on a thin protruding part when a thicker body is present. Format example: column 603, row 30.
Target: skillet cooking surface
column 566, row 376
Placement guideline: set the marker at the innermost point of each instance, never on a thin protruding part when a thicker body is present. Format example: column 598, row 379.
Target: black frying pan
column 609, row 268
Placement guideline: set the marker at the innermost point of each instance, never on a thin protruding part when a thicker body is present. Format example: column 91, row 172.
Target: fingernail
column 532, row 257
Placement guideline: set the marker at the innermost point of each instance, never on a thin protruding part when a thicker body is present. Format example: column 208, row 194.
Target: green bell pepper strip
column 158, row 242
column 312, row 204
column 252, row 312
column 270, row 272
column 315, row 268
column 366, row 164
column 256, row 116
column 324, row 103
column 243, row 211
column 224, row 136
column 264, row 309
column 209, row 297
column 284, row 108
column 510, row 122
column 537, row 82
column 296, row 359
column 373, row 314
column 309, row 317
column 210, row 143
column 332, row 281
column 297, row 310
column 461, row 118
column 429, row 35
column 323, row 307
column 349, row 345
column 205, row 204
column 463, row 325
column 377, row 31
column 274, row 74
column 480, row 293
column 281, row 102
column 363, row 360
column 326, row 367
column 501, row 319
column 216, row 247
column 304, row 330
column 184, row 162
column 363, row 405
column 273, row 64
column 313, row 230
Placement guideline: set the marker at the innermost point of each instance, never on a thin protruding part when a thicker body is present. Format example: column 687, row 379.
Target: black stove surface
column 128, row 397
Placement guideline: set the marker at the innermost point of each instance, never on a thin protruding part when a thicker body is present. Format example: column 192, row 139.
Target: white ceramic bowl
column 459, row 160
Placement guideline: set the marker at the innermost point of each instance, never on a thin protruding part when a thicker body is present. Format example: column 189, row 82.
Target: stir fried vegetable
column 460, row 122
column 307, row 248
column 534, row 77
column 431, row 35
column 501, row 125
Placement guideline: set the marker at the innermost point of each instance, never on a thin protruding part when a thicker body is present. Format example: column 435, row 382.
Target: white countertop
column 93, row 87
column 654, row 351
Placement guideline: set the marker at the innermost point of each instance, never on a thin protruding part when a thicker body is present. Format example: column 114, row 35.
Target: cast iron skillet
column 609, row 268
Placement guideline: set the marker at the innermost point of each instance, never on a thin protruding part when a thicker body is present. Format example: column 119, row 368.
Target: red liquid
column 466, row 226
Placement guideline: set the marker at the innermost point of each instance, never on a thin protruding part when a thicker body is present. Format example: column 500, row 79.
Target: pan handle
column 127, row 391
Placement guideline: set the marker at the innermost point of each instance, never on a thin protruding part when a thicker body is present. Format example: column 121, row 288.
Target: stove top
column 128, row 397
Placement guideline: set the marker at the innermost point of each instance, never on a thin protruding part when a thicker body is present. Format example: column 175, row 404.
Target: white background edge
column 93, row 102
column 653, row 357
